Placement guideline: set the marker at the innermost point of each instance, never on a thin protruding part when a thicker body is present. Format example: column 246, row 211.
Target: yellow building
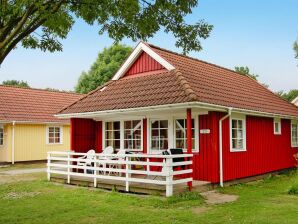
column 28, row 129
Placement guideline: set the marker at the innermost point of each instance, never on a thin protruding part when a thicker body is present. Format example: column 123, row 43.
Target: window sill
column 237, row 150
column 54, row 144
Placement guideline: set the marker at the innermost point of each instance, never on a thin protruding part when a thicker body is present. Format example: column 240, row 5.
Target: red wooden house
column 158, row 99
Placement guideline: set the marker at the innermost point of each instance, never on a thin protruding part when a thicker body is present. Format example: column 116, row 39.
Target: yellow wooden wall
column 30, row 142
column 5, row 149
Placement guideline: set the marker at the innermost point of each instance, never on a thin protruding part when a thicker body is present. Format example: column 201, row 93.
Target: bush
column 293, row 190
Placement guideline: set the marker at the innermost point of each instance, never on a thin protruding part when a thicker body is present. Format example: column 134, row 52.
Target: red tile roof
column 33, row 105
column 192, row 80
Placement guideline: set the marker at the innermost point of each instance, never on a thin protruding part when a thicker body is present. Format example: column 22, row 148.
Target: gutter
column 12, row 144
column 199, row 105
column 220, row 147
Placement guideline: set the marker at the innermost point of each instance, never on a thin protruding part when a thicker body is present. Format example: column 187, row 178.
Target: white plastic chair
column 104, row 155
column 88, row 159
column 120, row 157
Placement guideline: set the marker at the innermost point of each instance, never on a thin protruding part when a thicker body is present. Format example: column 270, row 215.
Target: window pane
column 51, row 129
column 117, row 144
column 234, row 123
column 240, row 124
column 180, row 143
column 239, row 144
column 51, row 140
column 180, row 134
column 116, row 134
column 57, row 140
column 137, row 144
column 239, row 134
column 137, row 124
column 164, row 143
column 180, row 124
column 154, row 143
column 164, row 133
column 164, row 124
column 234, row 143
column 154, row 124
column 127, row 124
column 57, row 129
column 57, row 134
column 234, row 133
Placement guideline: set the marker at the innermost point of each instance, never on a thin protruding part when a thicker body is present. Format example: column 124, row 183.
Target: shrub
column 293, row 190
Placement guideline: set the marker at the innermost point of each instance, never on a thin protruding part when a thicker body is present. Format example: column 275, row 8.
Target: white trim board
column 134, row 56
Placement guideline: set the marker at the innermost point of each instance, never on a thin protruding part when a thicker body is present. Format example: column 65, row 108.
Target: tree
column 102, row 70
column 43, row 23
column 16, row 83
column 295, row 47
column 245, row 71
column 288, row 96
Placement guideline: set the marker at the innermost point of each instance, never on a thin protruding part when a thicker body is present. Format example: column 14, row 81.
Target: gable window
column 237, row 134
column 133, row 135
column 277, row 126
column 159, row 134
column 112, row 134
column 54, row 135
column 294, row 134
column 181, row 134
column 1, row 135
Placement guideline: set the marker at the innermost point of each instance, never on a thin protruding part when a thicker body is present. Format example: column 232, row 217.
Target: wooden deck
column 139, row 188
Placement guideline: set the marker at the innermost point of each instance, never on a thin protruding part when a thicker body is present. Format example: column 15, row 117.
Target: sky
column 253, row 33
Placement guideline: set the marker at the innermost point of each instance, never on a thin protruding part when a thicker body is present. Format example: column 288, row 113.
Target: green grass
column 39, row 201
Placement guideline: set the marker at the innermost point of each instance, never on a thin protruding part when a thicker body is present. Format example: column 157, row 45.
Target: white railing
column 123, row 168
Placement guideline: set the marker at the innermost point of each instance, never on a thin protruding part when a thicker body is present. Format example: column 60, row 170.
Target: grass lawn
column 37, row 201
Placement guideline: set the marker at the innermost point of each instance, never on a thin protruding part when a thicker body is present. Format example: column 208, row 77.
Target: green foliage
column 293, row 190
column 288, row 96
column 102, row 70
column 245, row 71
column 295, row 47
column 16, row 83
column 42, row 24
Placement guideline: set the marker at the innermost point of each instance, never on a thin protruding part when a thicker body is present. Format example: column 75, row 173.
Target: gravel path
column 23, row 171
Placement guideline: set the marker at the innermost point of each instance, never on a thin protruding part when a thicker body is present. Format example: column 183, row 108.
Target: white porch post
column 169, row 177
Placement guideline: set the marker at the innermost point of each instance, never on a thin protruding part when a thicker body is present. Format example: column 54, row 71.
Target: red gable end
column 144, row 63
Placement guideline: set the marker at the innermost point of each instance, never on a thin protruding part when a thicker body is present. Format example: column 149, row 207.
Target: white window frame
column 122, row 133
column 2, row 127
column 104, row 133
column 123, row 139
column 293, row 123
column 277, row 121
column 149, row 133
column 243, row 119
column 196, row 127
column 61, row 134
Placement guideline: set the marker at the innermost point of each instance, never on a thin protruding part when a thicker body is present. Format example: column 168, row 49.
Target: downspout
column 220, row 147
column 12, row 143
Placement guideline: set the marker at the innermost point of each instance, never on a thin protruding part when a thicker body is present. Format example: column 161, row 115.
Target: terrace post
column 169, row 177
column 48, row 166
column 189, row 139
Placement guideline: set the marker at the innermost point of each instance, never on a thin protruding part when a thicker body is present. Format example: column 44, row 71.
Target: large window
column 181, row 134
column 159, row 134
column 1, row 135
column 112, row 134
column 294, row 134
column 54, row 135
column 237, row 135
column 133, row 135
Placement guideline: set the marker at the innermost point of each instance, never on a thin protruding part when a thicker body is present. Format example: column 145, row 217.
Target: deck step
column 140, row 188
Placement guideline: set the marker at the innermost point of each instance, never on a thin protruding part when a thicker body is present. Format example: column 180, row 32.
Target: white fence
column 155, row 169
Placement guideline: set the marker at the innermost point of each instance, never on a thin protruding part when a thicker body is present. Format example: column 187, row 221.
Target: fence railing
column 129, row 168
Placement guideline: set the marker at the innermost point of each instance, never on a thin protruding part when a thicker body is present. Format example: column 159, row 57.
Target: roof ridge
column 88, row 94
column 195, row 59
column 46, row 90
column 185, row 85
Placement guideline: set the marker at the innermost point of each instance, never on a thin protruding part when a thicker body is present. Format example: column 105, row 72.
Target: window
column 159, row 134
column 277, row 126
column 54, row 135
column 237, row 135
column 294, row 134
column 1, row 135
column 133, row 135
column 181, row 134
column 112, row 134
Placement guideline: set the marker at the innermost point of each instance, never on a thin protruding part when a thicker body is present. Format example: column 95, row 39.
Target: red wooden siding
column 144, row 64
column 98, row 136
column 265, row 152
column 86, row 134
